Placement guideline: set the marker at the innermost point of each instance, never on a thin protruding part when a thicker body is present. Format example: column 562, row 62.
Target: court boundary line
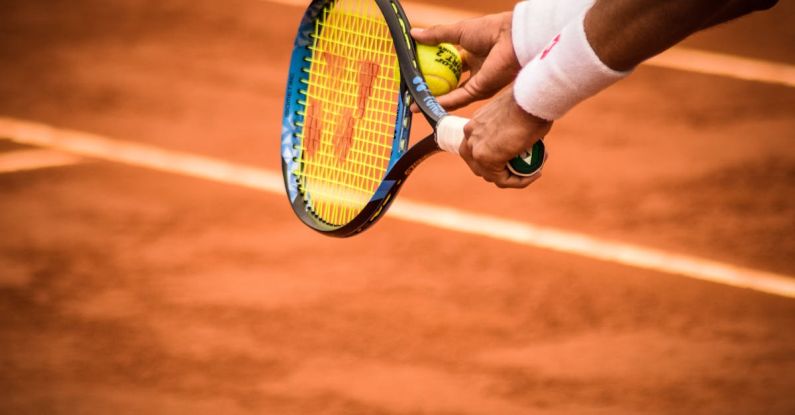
column 676, row 58
column 441, row 217
column 35, row 159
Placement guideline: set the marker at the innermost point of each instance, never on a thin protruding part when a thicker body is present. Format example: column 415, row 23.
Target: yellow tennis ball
column 441, row 66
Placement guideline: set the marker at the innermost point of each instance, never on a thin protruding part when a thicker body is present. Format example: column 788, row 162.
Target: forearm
column 624, row 33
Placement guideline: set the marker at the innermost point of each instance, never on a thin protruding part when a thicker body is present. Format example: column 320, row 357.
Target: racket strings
column 350, row 110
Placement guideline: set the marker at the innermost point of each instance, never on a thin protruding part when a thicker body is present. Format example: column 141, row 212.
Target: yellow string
column 354, row 34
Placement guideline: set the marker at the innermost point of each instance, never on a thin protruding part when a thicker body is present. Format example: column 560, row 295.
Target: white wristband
column 566, row 73
column 537, row 21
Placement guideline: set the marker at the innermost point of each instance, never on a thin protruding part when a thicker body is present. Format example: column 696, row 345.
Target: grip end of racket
column 530, row 162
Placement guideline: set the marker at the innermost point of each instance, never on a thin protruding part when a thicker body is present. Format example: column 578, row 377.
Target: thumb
column 437, row 34
column 451, row 101
column 470, row 91
column 457, row 98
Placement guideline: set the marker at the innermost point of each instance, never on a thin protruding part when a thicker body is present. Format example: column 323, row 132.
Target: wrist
column 527, row 117
column 534, row 22
column 565, row 73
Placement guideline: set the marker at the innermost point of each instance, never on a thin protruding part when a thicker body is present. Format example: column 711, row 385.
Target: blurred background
column 126, row 290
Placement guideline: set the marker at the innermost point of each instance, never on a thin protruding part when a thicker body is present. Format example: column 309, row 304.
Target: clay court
column 150, row 265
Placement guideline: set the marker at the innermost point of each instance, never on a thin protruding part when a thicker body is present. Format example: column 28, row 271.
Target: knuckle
column 483, row 155
column 468, row 129
column 475, row 88
column 528, row 182
column 477, row 152
column 475, row 120
column 480, row 155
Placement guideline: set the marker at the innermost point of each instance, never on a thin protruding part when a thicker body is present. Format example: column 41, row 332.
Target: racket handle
column 450, row 134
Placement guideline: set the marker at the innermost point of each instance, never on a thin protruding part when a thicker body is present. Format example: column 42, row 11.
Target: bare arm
column 624, row 33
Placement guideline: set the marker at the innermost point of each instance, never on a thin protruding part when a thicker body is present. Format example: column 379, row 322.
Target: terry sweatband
column 537, row 21
column 565, row 73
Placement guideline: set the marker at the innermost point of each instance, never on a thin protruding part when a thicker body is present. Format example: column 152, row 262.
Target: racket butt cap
column 530, row 162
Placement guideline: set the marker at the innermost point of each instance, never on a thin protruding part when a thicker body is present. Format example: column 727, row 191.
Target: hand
column 488, row 52
column 498, row 132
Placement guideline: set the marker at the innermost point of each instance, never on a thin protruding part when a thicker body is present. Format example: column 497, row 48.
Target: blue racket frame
column 403, row 160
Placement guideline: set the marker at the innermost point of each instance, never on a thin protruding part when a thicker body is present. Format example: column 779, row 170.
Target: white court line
column 680, row 58
column 100, row 147
column 33, row 159
column 737, row 67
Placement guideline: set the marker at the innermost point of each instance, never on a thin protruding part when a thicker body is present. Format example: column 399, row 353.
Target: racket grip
column 450, row 134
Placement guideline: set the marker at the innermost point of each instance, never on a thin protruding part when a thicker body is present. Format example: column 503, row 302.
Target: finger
column 469, row 128
column 457, row 98
column 453, row 100
column 437, row 34
column 464, row 59
column 465, row 148
column 506, row 180
column 488, row 172
column 474, row 89
column 465, row 151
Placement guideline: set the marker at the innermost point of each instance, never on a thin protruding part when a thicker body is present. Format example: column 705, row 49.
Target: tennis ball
column 441, row 66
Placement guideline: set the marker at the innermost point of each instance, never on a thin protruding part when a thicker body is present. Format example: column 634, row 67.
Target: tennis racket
column 345, row 132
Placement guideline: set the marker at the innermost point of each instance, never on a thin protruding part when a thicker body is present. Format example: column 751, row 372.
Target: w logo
column 549, row 48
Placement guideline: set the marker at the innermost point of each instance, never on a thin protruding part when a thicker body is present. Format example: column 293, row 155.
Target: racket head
column 346, row 120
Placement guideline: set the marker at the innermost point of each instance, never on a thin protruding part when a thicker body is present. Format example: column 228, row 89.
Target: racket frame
column 413, row 88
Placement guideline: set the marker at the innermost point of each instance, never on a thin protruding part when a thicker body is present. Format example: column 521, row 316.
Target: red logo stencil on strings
column 549, row 48
column 343, row 136
column 313, row 127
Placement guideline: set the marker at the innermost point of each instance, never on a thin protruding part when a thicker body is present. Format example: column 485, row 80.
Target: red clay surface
column 128, row 291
